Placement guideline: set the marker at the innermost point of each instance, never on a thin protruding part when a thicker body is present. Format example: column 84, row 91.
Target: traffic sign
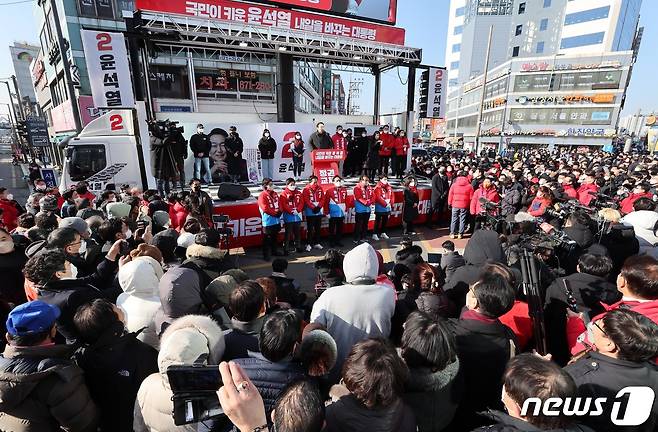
column 37, row 132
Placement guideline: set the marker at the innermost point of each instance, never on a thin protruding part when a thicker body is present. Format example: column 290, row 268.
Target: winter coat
column 401, row 145
column 234, row 145
column 115, row 367
column 9, row 214
column 410, row 257
column 199, row 143
column 313, row 198
column 383, row 198
column 460, row 193
column 267, row 148
column 388, row 144
column 140, row 301
column 180, row 294
column 490, row 194
column 570, row 192
column 178, row 215
column 359, row 309
column 433, row 396
column 69, row 294
column 48, row 391
column 507, row 423
column 292, row 205
column 286, row 291
column 587, row 193
column 363, row 198
column 372, row 158
column 335, row 201
column 268, row 204
column 627, row 203
column 410, row 210
column 210, row 260
column 598, row 375
column 538, row 206
column 347, row 414
column 11, row 269
column 205, row 205
column 450, row 262
column 477, row 340
column 241, row 338
column 270, row 378
column 621, row 243
column 644, row 222
column 362, row 146
column 185, row 341
column 320, row 141
column 440, row 188
column 511, row 199
column 163, row 163
column 483, row 247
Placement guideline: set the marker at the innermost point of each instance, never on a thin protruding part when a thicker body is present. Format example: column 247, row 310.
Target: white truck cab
column 112, row 149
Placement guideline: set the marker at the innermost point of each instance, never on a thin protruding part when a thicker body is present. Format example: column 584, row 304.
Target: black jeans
column 361, row 226
column 292, row 234
column 297, row 167
column 381, row 219
column 313, row 224
column 336, row 229
column 408, row 227
column 401, row 165
column 270, row 236
column 394, row 165
column 439, row 208
column 383, row 165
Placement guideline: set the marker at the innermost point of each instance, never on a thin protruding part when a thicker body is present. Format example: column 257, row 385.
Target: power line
column 16, row 2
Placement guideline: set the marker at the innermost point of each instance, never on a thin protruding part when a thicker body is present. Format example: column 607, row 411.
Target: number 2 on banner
column 104, row 42
column 116, row 122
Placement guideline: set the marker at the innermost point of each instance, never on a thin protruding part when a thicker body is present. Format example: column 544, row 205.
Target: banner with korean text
column 107, row 65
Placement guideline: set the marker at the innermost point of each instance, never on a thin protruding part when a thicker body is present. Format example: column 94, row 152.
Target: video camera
column 164, row 128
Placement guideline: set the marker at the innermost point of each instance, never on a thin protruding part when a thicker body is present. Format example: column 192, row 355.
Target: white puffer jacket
column 140, row 300
column 184, row 341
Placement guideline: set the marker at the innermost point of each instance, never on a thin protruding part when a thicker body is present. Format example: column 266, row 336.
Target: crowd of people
column 103, row 295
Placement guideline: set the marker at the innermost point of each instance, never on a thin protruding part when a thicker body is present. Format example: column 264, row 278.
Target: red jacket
column 584, row 195
column 538, row 206
column 268, row 202
column 338, row 195
column 340, row 142
column 363, row 195
column 291, row 200
column 627, row 203
column 178, row 214
column 90, row 196
column 336, row 138
column 313, row 194
column 490, row 194
column 383, row 193
column 9, row 215
column 460, row 193
column 401, row 146
column 388, row 143
column 518, row 319
column 570, row 191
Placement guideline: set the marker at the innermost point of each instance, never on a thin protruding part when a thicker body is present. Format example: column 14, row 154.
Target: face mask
column 199, row 130
column 267, row 135
column 428, row 172
column 292, row 187
column 128, row 234
column 383, row 181
column 412, row 184
column 74, row 272
column 83, row 247
column 298, row 137
column 385, row 130
column 6, row 247
column 364, row 135
column 338, row 184
column 41, row 188
column 344, row 134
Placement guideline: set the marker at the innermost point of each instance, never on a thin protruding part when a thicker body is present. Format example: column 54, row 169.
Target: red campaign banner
column 247, row 226
column 270, row 16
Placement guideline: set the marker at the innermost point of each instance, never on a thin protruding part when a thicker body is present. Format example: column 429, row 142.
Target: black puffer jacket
column 267, row 148
column 510, row 202
column 410, row 257
column 11, row 269
column 349, row 415
column 507, row 423
column 41, row 390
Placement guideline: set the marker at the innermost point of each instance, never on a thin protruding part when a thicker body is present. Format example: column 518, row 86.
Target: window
column 547, row 3
column 543, row 24
column 521, row 8
column 515, row 51
column 453, row 82
column 540, row 47
column 458, row 30
column 587, row 15
column 454, row 65
column 456, row 47
column 582, row 40
column 86, row 160
column 96, row 8
column 169, row 82
column 519, row 30
column 460, row 11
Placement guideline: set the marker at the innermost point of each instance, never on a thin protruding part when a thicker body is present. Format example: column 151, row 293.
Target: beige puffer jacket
column 185, row 340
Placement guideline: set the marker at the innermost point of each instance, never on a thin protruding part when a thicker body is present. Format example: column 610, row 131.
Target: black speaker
column 232, row 192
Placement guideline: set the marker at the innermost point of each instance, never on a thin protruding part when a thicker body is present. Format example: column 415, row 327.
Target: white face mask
column 298, row 137
column 6, row 247
column 74, row 272
column 128, row 234
column 412, row 184
column 292, row 187
column 10, row 197
column 200, row 130
column 383, row 181
column 364, row 135
column 267, row 135
column 83, row 247
column 338, row 184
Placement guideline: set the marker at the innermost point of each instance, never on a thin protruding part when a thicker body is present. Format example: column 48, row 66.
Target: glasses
column 596, row 324
column 75, row 243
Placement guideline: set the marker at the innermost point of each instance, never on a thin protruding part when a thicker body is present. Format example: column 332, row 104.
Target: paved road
column 11, row 176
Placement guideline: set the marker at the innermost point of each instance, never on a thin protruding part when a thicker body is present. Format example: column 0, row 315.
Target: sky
column 425, row 22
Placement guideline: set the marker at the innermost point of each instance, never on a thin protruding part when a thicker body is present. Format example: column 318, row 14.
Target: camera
column 194, row 390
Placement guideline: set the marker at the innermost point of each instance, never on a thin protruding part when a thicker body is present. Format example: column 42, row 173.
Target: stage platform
column 245, row 218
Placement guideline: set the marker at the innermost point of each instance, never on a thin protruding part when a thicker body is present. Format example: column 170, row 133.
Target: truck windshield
column 86, row 160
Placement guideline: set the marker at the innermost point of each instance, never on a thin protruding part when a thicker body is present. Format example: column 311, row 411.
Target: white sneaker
column 384, row 236
column 318, row 246
column 308, row 248
column 375, row 237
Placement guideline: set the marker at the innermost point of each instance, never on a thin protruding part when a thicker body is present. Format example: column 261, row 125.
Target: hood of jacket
column 141, row 277
column 426, row 380
column 361, row 264
column 484, row 246
column 581, row 234
column 204, row 252
column 188, row 340
column 644, row 222
column 462, row 181
column 180, row 294
column 23, row 368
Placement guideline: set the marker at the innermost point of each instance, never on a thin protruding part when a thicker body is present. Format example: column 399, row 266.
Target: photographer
column 163, row 161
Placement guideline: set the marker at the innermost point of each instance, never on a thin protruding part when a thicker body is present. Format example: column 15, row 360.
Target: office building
column 22, row 55
column 535, row 28
column 454, row 40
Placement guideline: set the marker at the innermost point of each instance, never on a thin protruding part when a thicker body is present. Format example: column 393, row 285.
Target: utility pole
column 18, row 96
column 478, row 126
column 353, row 94
column 66, row 65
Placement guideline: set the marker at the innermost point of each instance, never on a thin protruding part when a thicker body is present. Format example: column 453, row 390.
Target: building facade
column 535, row 28
column 454, row 40
column 22, row 55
